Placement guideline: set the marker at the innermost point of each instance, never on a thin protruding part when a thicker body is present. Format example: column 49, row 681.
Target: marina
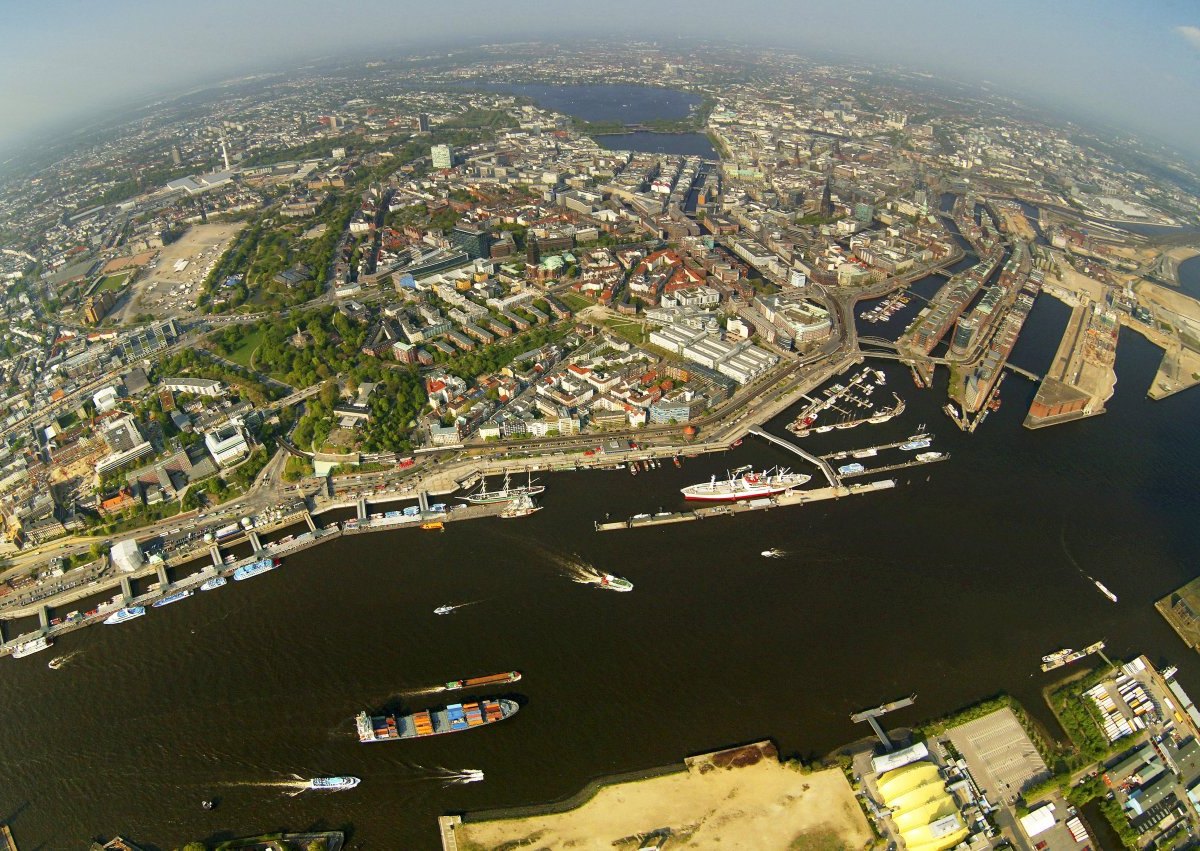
column 846, row 406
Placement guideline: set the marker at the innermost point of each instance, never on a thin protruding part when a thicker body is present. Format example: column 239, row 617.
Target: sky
column 1134, row 63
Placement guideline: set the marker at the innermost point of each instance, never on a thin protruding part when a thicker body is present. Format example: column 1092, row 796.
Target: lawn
column 112, row 282
column 241, row 355
column 575, row 301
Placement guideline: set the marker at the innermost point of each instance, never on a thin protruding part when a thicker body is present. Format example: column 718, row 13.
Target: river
column 952, row 586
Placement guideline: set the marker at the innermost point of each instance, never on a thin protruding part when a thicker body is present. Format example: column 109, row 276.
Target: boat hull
column 31, row 647
column 454, row 718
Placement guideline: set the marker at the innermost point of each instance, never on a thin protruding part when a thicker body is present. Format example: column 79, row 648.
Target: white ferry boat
column 28, row 648
column 126, row 614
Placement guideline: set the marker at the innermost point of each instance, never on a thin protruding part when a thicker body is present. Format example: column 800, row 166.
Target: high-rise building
column 422, row 122
column 964, row 335
column 176, row 156
column 473, row 239
column 442, row 156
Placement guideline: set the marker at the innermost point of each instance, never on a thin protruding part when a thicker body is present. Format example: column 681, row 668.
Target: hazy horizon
column 1134, row 66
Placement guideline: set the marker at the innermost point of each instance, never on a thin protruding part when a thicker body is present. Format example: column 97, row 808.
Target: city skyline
column 1114, row 62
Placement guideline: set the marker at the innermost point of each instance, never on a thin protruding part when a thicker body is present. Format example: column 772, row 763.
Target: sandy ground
column 761, row 806
column 1079, row 283
column 164, row 292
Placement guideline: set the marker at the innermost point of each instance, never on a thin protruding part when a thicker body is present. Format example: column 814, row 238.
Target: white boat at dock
column 28, row 648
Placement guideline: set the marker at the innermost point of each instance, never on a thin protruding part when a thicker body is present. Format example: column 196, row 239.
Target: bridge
column 896, row 356
column 825, row 466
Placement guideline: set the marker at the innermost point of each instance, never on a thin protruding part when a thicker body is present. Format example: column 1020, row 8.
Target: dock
column 7, row 843
column 783, row 500
column 821, row 463
column 871, row 716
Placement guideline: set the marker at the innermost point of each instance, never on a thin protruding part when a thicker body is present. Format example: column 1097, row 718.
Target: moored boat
column 254, row 568
column 748, row 485
column 930, row 456
column 28, row 648
column 506, row 492
column 214, row 583
column 454, row 718
column 918, row 443
column 126, row 614
column 173, row 598
column 522, row 506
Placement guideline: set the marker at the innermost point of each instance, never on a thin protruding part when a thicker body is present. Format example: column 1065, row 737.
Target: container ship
column 31, row 647
column 433, row 722
column 254, row 568
column 506, row 493
column 749, row 485
column 489, row 680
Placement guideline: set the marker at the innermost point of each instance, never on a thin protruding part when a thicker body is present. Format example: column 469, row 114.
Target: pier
column 7, row 843
column 902, row 465
column 163, row 581
column 825, row 466
column 215, row 552
column 794, row 497
column 870, row 716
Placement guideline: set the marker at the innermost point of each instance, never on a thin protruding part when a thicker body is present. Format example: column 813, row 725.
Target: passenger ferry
column 28, row 648
column 126, row 614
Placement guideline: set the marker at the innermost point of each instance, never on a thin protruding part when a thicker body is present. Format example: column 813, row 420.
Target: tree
column 194, row 846
column 318, row 844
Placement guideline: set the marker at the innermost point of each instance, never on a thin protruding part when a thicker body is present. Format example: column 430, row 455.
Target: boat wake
column 288, row 787
column 773, row 553
column 450, row 608
column 415, row 692
column 578, row 570
column 440, row 774
column 58, row 661
column 1100, row 586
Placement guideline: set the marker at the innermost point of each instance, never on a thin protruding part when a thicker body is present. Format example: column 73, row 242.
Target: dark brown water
column 952, row 587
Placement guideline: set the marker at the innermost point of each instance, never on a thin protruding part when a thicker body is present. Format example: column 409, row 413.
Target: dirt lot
column 162, row 291
column 737, row 799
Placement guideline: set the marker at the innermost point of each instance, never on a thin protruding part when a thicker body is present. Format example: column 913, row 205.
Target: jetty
column 825, row 467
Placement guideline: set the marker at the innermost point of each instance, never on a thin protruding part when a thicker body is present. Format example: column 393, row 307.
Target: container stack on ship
column 433, row 722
